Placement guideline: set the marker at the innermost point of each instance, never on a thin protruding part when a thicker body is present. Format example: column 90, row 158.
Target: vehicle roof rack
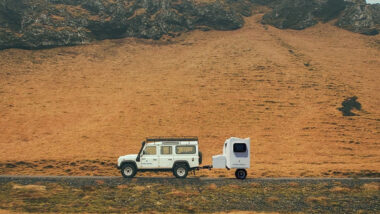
column 180, row 138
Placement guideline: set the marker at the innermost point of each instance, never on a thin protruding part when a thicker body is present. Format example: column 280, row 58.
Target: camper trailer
column 236, row 155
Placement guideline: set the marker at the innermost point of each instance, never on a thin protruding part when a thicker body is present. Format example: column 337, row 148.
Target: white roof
column 173, row 143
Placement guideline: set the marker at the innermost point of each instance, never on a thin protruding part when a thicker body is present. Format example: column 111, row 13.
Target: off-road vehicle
column 176, row 154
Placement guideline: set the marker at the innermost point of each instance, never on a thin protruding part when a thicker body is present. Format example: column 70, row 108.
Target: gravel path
column 118, row 180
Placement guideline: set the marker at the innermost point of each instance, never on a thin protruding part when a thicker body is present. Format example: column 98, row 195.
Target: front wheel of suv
column 180, row 170
column 128, row 170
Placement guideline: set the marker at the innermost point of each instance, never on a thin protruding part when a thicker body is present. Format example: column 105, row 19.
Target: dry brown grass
column 212, row 187
column 234, row 186
column 273, row 199
column 339, row 189
column 101, row 100
column 140, row 188
column 123, row 186
column 245, row 212
column 59, row 18
column 29, row 187
column 371, row 186
column 183, row 194
column 174, row 197
column 319, row 199
column 204, row 1
column 293, row 184
column 253, row 184
column 99, row 182
column 177, row 193
column 75, row 11
column 9, row 212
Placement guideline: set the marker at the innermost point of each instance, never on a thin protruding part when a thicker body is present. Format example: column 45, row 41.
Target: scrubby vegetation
column 304, row 197
column 350, row 104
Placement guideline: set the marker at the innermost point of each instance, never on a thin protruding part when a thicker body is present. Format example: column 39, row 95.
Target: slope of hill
column 74, row 110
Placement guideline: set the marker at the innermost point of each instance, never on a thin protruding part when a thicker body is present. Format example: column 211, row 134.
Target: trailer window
column 240, row 147
column 150, row 150
column 166, row 150
column 185, row 150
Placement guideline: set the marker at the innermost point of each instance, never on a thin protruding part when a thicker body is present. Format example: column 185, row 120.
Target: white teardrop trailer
column 181, row 155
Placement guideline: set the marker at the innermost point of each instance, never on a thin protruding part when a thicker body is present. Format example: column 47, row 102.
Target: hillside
column 74, row 110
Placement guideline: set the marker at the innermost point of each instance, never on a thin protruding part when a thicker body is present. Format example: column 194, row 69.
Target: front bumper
column 117, row 166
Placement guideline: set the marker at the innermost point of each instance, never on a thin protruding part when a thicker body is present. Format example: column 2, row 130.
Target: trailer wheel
column 180, row 171
column 128, row 170
column 241, row 174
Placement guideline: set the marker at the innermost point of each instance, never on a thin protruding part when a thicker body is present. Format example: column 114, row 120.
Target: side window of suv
column 166, row 150
column 150, row 150
column 185, row 149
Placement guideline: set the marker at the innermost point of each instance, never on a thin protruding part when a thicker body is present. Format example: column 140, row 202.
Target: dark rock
column 353, row 15
column 300, row 14
column 330, row 10
column 293, row 14
column 49, row 23
column 11, row 13
column 269, row 3
column 375, row 9
column 360, row 18
column 244, row 7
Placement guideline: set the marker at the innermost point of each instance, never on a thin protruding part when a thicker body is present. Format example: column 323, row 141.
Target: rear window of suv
column 185, row 150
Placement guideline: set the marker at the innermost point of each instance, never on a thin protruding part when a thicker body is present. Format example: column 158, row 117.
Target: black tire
column 241, row 174
column 128, row 170
column 180, row 170
column 200, row 157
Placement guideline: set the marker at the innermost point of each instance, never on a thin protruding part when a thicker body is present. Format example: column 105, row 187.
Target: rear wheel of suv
column 180, row 170
column 128, row 170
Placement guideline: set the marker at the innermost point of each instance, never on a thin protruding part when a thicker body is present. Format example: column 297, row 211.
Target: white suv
column 177, row 154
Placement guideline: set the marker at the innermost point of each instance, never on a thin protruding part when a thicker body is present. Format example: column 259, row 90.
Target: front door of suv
column 166, row 157
column 149, row 158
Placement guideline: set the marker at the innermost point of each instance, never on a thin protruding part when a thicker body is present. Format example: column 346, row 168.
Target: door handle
column 154, row 159
column 170, row 158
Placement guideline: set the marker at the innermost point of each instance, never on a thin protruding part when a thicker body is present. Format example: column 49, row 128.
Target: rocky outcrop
column 47, row 23
column 352, row 15
column 33, row 24
column 296, row 14
column 300, row 14
column 361, row 18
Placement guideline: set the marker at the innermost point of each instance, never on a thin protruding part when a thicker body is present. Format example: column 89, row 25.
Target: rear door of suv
column 166, row 157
